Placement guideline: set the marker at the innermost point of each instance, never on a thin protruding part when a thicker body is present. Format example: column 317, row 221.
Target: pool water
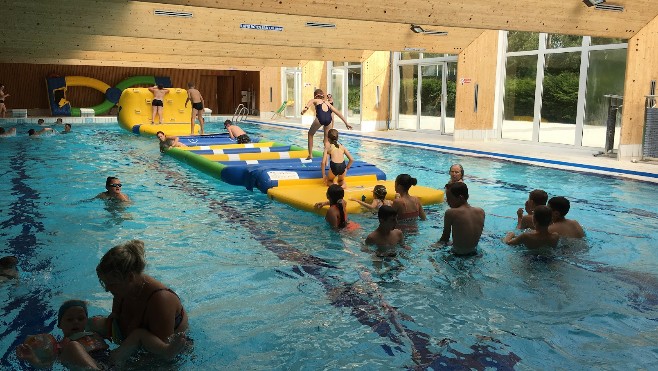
column 269, row 287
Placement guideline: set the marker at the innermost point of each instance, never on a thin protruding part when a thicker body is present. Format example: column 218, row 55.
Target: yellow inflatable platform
column 135, row 112
column 303, row 194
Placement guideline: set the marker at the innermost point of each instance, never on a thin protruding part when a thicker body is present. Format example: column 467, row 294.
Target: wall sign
column 261, row 27
column 465, row 81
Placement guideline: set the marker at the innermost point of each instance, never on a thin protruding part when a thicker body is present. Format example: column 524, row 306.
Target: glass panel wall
column 409, row 55
column 518, row 41
column 605, row 76
column 291, row 94
column 407, row 110
column 354, row 94
column 431, row 94
column 451, row 97
column 606, row 41
column 432, row 55
column 337, row 79
column 560, row 98
column 554, row 41
column 519, row 100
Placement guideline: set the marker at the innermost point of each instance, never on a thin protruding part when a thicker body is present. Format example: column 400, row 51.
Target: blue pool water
column 270, row 287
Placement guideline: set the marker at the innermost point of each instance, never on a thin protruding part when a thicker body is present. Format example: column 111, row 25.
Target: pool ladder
column 241, row 113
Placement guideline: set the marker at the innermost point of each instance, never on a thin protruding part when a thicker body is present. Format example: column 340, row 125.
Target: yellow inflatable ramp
column 257, row 156
column 136, row 111
column 303, row 194
column 228, row 146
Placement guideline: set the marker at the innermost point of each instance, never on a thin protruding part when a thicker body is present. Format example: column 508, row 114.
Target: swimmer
column 538, row 238
column 337, row 213
column 408, row 207
column 11, row 132
column 34, row 133
column 335, row 153
column 236, row 133
column 378, row 199
column 536, row 198
column 463, row 220
column 8, row 269
column 67, row 129
column 168, row 142
column 564, row 227
column 456, row 174
column 113, row 186
column 386, row 237
column 323, row 118
column 194, row 96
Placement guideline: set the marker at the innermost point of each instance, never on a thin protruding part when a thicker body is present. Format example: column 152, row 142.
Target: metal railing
column 241, row 113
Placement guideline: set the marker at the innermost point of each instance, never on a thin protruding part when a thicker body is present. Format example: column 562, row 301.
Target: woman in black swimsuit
column 140, row 301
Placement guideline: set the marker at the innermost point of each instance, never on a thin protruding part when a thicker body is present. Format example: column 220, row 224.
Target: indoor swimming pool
column 269, row 287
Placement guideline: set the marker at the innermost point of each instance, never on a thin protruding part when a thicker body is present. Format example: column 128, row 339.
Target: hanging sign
column 261, row 27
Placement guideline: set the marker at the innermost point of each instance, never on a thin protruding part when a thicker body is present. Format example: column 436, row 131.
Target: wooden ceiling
column 128, row 33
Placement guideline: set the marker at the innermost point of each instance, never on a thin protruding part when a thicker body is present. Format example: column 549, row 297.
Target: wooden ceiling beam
column 79, row 19
column 560, row 16
column 181, row 48
column 89, row 62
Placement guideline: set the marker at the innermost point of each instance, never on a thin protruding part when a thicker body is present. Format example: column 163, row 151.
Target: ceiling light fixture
column 417, row 29
column 593, row 2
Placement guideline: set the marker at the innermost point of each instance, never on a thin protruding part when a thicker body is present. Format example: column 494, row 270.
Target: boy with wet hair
column 463, row 220
column 564, row 227
column 537, row 197
column 386, row 237
column 8, row 269
column 236, row 133
column 538, row 238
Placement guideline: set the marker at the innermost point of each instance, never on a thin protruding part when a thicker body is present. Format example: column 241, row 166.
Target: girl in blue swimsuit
column 323, row 118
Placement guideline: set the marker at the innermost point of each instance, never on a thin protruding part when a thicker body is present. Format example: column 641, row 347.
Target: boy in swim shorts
column 236, row 133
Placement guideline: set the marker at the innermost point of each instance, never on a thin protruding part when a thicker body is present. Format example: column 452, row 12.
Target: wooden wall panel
column 27, row 86
column 314, row 75
column 477, row 63
column 270, row 81
column 375, row 71
column 641, row 68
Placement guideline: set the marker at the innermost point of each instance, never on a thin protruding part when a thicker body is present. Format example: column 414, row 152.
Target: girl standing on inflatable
column 323, row 118
column 335, row 153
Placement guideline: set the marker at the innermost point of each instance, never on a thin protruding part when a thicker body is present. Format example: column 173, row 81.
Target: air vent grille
column 171, row 13
column 320, row 25
column 610, row 7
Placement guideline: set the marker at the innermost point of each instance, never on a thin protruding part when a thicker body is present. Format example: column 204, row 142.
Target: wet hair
column 559, row 204
column 461, row 169
column 160, row 86
column 406, row 181
column 539, row 197
column 8, row 261
column 69, row 125
column 58, row 119
column 39, row 121
column 386, row 212
column 160, row 132
column 542, row 216
column 332, row 136
column 2, row 130
column 109, row 180
column 379, row 191
column 123, row 260
column 227, row 123
column 317, row 92
column 31, row 132
column 458, row 189
column 335, row 194
column 68, row 305
column 190, row 84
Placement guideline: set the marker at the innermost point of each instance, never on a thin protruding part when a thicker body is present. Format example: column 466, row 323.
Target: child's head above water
column 387, row 214
column 72, row 317
column 560, row 205
column 542, row 216
column 335, row 193
column 538, row 196
column 379, row 192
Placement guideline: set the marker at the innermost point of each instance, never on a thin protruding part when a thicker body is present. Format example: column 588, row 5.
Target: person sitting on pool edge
column 564, row 227
column 538, row 238
column 386, row 238
column 537, row 197
column 236, row 133
column 168, row 142
column 463, row 220
column 113, row 186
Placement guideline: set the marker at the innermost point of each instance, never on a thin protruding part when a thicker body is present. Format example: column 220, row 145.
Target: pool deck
column 550, row 155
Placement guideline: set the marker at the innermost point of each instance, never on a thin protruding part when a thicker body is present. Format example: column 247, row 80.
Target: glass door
column 431, row 97
column 338, row 89
column 293, row 93
column 408, row 97
column 449, row 97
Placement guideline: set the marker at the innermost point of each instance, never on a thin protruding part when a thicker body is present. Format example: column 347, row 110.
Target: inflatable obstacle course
column 58, row 87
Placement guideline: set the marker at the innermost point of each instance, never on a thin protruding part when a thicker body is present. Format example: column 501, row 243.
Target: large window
column 408, row 97
column 556, row 87
column 346, row 89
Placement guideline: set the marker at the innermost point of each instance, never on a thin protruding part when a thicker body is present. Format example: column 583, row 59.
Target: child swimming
column 379, row 199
